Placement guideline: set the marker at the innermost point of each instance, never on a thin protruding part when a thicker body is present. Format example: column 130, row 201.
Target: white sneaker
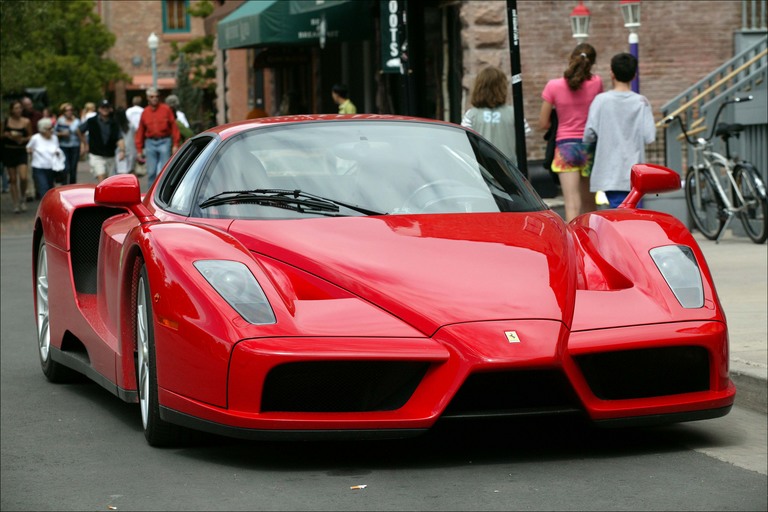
column 23, row 206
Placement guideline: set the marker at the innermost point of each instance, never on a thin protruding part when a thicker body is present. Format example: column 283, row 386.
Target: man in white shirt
column 134, row 113
column 621, row 122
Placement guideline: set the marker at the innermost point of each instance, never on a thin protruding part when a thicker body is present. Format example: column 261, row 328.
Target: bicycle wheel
column 754, row 212
column 704, row 203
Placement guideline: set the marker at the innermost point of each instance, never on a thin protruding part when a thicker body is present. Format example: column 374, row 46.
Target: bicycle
column 708, row 201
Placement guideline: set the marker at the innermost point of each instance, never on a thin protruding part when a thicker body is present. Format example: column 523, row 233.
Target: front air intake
column 513, row 393
column 341, row 386
column 646, row 373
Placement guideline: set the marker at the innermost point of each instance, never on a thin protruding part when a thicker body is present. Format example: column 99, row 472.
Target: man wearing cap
column 158, row 136
column 104, row 137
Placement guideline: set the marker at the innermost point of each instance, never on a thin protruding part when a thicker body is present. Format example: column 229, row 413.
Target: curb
column 750, row 380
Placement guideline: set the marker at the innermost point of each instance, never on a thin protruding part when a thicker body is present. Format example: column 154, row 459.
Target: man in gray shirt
column 621, row 122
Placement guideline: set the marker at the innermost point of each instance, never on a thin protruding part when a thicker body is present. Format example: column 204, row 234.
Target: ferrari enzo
column 368, row 276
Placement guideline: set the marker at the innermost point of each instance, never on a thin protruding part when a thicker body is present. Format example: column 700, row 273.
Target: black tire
column 754, row 215
column 53, row 371
column 704, row 203
column 157, row 432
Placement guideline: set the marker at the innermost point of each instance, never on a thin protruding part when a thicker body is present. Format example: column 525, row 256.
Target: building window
column 175, row 16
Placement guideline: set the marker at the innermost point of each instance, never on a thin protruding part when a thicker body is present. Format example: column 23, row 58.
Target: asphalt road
column 77, row 447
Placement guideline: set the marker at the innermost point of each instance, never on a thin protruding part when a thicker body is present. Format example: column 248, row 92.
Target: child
column 621, row 122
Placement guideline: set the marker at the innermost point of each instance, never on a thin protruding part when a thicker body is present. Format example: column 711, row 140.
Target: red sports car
column 370, row 275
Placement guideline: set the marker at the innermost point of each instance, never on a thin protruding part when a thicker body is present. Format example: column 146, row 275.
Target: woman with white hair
column 46, row 156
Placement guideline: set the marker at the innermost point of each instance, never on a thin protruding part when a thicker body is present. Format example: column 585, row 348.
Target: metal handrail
column 758, row 50
column 699, row 97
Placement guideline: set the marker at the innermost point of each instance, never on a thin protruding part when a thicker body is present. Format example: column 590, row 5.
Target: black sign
column 391, row 36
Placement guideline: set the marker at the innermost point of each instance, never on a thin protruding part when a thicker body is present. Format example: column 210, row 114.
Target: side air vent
column 84, row 239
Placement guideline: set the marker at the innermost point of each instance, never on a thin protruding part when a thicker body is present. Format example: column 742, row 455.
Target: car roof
column 228, row 130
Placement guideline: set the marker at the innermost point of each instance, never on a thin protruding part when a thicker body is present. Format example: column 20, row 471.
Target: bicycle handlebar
column 735, row 99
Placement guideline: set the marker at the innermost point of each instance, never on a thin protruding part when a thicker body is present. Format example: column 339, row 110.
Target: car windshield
column 361, row 168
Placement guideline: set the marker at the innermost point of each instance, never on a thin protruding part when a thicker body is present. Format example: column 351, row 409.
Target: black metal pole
column 517, row 86
column 405, row 60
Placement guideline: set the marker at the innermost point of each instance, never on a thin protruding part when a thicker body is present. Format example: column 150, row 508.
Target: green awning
column 273, row 22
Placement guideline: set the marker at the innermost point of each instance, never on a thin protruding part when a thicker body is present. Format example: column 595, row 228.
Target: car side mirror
column 650, row 179
column 123, row 191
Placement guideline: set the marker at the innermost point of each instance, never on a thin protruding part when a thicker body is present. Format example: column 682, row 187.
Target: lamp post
column 153, row 41
column 580, row 22
column 630, row 10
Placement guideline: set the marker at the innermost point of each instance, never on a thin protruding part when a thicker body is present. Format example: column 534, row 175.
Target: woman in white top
column 46, row 155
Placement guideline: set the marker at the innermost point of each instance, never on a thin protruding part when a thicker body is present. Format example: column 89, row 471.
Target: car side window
column 512, row 192
column 177, row 188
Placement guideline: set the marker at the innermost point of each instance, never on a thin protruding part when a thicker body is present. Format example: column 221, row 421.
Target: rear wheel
column 704, row 203
column 156, row 431
column 754, row 213
column 53, row 371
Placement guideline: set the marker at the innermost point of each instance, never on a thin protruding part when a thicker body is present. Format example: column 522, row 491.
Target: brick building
column 132, row 21
column 680, row 41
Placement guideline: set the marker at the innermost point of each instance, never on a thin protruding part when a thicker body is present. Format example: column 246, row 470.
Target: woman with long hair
column 17, row 130
column 66, row 130
column 570, row 96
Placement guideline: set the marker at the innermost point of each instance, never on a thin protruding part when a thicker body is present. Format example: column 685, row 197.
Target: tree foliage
column 57, row 45
column 190, row 97
column 200, row 61
column 196, row 72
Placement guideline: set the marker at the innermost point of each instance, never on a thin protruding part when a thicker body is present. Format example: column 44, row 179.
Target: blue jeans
column 157, row 152
column 43, row 180
column 616, row 197
column 72, row 157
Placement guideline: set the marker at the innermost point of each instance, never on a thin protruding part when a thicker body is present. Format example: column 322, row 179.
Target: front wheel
column 156, row 431
column 704, row 203
column 754, row 210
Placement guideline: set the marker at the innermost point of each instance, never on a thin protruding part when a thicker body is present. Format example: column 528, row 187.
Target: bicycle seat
column 725, row 130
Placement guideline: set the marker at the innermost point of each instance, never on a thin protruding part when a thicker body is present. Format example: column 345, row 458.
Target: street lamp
column 153, row 41
column 580, row 22
column 630, row 10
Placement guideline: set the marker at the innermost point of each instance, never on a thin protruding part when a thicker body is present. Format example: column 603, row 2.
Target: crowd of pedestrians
column 594, row 136
column 42, row 149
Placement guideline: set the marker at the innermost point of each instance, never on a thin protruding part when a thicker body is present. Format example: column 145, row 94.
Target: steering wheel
column 463, row 193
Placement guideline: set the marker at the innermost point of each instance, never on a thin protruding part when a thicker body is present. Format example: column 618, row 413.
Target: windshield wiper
column 295, row 200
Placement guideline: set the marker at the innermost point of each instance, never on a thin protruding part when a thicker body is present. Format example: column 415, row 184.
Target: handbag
column 59, row 161
column 550, row 136
column 140, row 169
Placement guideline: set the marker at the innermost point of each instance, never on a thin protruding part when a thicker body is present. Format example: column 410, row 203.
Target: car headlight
column 235, row 283
column 681, row 272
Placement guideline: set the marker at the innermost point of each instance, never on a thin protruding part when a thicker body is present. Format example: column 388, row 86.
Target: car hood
column 433, row 270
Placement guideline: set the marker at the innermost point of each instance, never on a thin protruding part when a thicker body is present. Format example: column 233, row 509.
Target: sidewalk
column 739, row 267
